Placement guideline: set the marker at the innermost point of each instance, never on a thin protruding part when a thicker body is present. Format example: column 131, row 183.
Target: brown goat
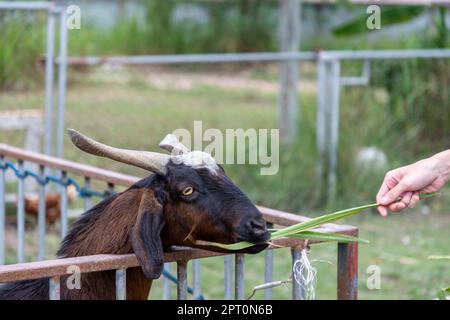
column 184, row 201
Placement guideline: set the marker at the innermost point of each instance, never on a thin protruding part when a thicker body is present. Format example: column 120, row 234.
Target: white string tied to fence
column 305, row 275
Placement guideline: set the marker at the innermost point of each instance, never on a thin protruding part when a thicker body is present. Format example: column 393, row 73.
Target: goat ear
column 146, row 236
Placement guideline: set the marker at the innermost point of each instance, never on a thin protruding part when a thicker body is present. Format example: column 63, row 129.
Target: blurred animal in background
column 371, row 158
column 52, row 204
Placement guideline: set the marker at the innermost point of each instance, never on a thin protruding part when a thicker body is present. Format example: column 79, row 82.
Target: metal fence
column 83, row 177
column 329, row 77
column 54, row 13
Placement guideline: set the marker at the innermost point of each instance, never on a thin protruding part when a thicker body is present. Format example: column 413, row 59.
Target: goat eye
column 187, row 191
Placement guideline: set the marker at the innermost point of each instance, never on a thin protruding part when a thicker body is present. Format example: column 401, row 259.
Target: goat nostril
column 258, row 224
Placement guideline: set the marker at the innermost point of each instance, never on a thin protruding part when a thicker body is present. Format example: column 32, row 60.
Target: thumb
column 394, row 193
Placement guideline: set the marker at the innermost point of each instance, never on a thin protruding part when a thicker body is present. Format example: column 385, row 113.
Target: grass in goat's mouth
column 303, row 230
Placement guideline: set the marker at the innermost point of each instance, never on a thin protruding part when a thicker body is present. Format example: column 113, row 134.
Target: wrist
column 441, row 163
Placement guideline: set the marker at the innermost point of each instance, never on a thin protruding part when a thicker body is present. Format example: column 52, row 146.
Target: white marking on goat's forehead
column 197, row 160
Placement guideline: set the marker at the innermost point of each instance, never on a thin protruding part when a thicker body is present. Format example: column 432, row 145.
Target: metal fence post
column 121, row 284
column 2, row 213
column 182, row 280
column 328, row 105
column 289, row 42
column 49, row 63
column 297, row 290
column 321, row 121
column 347, row 273
column 64, row 207
column 268, row 269
column 41, row 215
column 334, row 128
column 166, row 283
column 228, row 274
column 21, row 215
column 239, row 276
column 196, row 278
column 62, row 82
column 54, row 288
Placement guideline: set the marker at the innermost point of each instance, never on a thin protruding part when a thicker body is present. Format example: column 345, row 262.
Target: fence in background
column 329, row 83
column 54, row 13
column 70, row 173
column 329, row 77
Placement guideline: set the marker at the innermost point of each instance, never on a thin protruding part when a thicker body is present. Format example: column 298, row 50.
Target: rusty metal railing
column 54, row 269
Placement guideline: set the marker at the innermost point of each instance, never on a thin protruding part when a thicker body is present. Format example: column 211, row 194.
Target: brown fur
column 105, row 236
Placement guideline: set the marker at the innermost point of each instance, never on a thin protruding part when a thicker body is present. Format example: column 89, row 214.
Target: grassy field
column 128, row 108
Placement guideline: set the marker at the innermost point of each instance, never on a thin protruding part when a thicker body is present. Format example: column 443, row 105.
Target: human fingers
column 414, row 200
column 406, row 198
column 382, row 210
column 397, row 206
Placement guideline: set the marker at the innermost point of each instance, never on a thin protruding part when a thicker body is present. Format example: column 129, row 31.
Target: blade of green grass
column 319, row 236
column 234, row 246
column 307, row 235
column 295, row 229
column 319, row 221
column 328, row 218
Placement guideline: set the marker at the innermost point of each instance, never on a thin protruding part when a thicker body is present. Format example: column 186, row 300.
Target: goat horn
column 171, row 144
column 152, row 161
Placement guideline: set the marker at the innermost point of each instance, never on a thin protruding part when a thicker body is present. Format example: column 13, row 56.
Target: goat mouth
column 258, row 244
column 256, row 248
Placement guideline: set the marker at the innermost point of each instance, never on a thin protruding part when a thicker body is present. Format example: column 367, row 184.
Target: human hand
column 425, row 176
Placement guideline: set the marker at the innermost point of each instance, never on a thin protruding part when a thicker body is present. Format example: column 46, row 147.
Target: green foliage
column 444, row 293
column 419, row 97
column 389, row 16
column 21, row 46
column 237, row 26
column 232, row 26
column 441, row 28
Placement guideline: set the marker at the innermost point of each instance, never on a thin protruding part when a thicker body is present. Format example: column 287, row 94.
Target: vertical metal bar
column 21, row 216
column 347, row 273
column 268, row 270
column 239, row 277
column 54, row 288
column 62, row 77
column 334, row 129
column 288, row 98
column 366, row 71
column 64, row 215
column 228, row 275
column 121, row 284
column 41, row 216
column 182, row 280
column 87, row 200
column 166, row 283
column 268, row 273
column 49, row 62
column 321, row 130
column 297, row 290
column 196, row 278
column 2, row 213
